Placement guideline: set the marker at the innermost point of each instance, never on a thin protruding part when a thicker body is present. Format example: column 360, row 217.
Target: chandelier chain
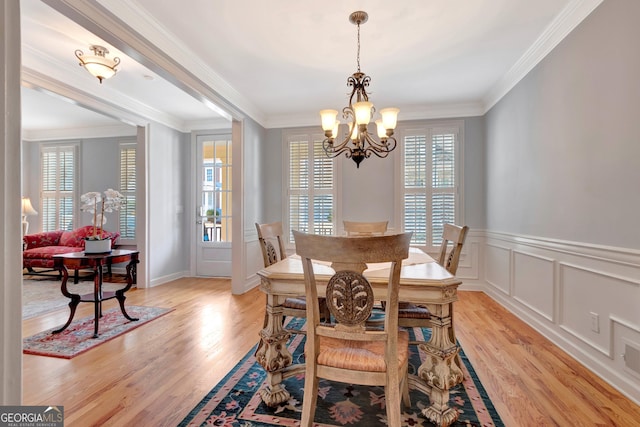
column 358, row 46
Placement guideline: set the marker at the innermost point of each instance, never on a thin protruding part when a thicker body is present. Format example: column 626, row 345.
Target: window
column 431, row 181
column 128, row 190
column 216, row 188
column 311, row 192
column 58, row 169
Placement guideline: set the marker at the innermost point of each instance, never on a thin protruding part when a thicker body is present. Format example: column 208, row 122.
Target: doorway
column 214, row 213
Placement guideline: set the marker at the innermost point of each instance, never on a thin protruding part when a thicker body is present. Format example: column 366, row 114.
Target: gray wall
column 253, row 148
column 272, row 184
column 167, row 184
column 562, row 149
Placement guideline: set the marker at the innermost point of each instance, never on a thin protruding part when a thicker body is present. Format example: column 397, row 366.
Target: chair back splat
column 347, row 351
column 355, row 229
column 270, row 236
column 455, row 235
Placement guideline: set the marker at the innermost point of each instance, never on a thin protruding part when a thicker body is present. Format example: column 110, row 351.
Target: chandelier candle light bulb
column 359, row 144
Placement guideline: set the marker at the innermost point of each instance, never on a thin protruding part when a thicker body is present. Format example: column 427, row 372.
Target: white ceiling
column 281, row 61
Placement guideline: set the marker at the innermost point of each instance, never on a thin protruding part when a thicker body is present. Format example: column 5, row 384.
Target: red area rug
column 78, row 337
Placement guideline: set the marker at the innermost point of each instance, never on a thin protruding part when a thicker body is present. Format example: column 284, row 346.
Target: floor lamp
column 27, row 209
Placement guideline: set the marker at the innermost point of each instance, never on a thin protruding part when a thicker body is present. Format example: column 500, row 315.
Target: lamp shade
column 389, row 117
column 382, row 132
column 363, row 112
column 27, row 208
column 336, row 127
column 328, row 118
column 102, row 68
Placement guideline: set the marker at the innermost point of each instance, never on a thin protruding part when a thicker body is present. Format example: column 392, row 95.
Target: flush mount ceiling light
column 98, row 64
column 358, row 144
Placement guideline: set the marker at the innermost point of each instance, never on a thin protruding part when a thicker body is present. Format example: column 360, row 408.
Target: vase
column 97, row 246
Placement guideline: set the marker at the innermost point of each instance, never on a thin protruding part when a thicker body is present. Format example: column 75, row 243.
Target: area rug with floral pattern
column 235, row 401
column 78, row 337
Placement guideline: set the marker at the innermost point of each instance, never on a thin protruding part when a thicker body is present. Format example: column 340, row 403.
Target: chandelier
column 358, row 143
column 98, row 64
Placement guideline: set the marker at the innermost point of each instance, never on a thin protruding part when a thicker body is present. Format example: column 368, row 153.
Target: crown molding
column 568, row 19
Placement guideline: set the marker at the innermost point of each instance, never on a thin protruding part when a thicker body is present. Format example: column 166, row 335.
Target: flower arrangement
column 97, row 204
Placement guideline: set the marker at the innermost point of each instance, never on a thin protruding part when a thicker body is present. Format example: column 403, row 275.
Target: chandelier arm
column 333, row 151
column 388, row 145
column 345, row 143
column 379, row 149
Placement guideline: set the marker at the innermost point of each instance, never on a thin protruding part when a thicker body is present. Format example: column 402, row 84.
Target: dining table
column 422, row 281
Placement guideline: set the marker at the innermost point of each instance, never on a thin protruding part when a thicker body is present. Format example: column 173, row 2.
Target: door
column 213, row 213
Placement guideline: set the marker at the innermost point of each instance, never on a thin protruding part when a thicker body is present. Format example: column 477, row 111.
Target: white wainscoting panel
column 498, row 267
column 254, row 262
column 584, row 298
column 468, row 266
column 533, row 282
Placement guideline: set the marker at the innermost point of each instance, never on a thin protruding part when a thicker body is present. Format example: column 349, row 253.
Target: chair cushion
column 411, row 311
column 360, row 355
column 299, row 303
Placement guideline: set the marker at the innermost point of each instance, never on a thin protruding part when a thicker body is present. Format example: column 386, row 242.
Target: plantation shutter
column 415, row 184
column 58, row 182
column 299, row 185
column 430, row 193
column 443, row 183
column 310, row 186
column 322, row 191
column 127, row 215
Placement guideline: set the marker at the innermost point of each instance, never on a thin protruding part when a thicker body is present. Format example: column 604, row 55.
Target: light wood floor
column 155, row 374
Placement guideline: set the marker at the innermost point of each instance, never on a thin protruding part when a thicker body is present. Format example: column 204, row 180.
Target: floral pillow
column 75, row 238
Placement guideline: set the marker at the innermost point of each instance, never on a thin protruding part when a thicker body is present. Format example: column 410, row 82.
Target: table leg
column 439, row 370
column 97, row 297
column 120, row 292
column 272, row 353
column 75, row 299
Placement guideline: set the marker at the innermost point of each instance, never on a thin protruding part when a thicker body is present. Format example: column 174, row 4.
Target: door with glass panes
column 213, row 211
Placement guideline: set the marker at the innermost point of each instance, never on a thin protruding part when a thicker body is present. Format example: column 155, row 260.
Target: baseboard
column 168, row 278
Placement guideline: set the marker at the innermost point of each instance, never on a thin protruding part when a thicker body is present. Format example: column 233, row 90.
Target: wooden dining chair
column 358, row 229
column 347, row 351
column 413, row 315
column 271, row 236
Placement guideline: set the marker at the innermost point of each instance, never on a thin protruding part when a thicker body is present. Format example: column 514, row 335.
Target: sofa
column 39, row 248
